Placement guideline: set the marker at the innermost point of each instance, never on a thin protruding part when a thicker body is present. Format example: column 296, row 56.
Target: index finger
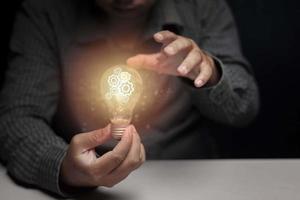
column 112, row 159
column 85, row 141
column 147, row 61
column 165, row 37
column 133, row 158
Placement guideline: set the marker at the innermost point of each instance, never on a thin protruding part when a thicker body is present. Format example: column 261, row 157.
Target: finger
column 133, row 158
column 142, row 157
column 113, row 179
column 85, row 141
column 192, row 61
column 178, row 45
column 147, row 61
column 112, row 159
column 110, row 181
column 205, row 74
column 165, row 37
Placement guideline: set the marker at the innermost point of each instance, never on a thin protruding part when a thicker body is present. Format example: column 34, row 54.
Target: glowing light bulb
column 121, row 88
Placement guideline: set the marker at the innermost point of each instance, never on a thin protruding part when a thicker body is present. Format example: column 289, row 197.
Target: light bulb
column 121, row 88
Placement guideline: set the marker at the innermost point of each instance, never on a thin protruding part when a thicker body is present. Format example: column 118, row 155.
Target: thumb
column 90, row 140
column 144, row 60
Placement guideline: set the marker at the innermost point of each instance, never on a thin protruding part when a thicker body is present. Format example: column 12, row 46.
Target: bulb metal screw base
column 117, row 131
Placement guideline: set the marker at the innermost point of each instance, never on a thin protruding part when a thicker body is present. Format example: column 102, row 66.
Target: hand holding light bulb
column 81, row 167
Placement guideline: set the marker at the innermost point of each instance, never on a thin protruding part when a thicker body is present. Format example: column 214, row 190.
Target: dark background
column 269, row 31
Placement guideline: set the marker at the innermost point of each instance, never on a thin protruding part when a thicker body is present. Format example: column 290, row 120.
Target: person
column 52, row 117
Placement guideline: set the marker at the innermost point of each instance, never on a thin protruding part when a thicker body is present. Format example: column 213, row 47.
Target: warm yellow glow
column 83, row 102
column 121, row 88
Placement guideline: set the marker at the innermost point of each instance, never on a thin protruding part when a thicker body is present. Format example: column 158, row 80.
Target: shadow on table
column 100, row 194
column 96, row 194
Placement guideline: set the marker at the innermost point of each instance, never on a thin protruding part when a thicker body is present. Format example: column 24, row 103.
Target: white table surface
column 189, row 180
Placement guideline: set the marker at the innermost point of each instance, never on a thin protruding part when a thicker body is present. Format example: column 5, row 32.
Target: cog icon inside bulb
column 120, row 85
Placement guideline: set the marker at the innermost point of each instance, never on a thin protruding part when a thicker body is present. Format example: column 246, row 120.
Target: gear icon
column 114, row 80
column 120, row 84
column 125, row 77
column 126, row 89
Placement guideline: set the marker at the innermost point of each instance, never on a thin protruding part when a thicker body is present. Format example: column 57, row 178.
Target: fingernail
column 158, row 36
column 133, row 129
column 170, row 50
column 128, row 133
column 129, row 61
column 128, row 128
column 199, row 83
column 182, row 69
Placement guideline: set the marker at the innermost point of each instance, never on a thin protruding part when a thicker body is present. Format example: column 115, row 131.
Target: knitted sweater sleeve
column 30, row 149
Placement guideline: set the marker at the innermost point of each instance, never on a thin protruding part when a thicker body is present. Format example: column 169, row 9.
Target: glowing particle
column 148, row 126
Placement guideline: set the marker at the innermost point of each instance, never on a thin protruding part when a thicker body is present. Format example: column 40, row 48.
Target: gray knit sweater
column 58, row 51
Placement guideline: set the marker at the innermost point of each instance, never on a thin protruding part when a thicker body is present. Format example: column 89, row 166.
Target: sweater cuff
column 49, row 168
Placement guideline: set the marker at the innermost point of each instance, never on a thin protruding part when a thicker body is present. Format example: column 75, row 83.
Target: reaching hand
column 180, row 56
